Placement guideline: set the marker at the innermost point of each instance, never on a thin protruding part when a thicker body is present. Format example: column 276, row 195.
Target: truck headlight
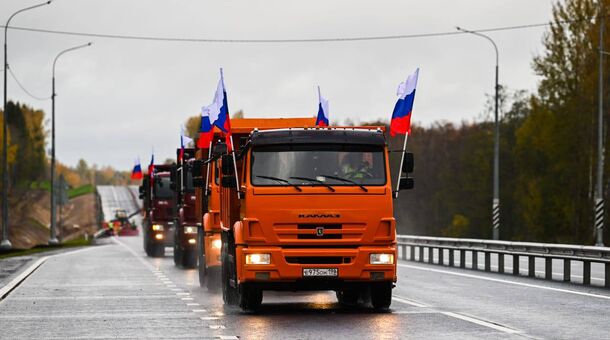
column 190, row 230
column 258, row 259
column 217, row 243
column 159, row 236
column 381, row 259
column 157, row 227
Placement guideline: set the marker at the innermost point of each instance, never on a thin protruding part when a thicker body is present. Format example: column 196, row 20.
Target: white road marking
column 409, row 302
column 228, row 337
column 187, row 299
column 482, row 323
column 206, row 318
column 199, row 310
column 183, row 294
column 192, row 304
column 217, row 327
column 529, row 285
column 176, row 290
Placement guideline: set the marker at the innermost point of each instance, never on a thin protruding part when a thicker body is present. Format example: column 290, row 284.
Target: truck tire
column 157, row 250
column 229, row 293
column 201, row 257
column 381, row 295
column 348, row 297
column 147, row 247
column 213, row 278
column 177, row 251
column 188, row 258
column 250, row 297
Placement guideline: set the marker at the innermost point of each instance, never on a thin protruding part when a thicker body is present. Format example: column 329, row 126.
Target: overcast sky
column 119, row 98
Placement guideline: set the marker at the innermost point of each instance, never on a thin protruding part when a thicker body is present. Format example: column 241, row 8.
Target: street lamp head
column 49, row 2
column 89, row 44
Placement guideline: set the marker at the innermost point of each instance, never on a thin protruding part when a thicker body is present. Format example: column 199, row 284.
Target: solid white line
column 408, row 302
column 481, row 322
column 529, row 285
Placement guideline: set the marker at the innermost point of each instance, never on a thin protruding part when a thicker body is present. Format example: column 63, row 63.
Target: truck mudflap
column 318, row 265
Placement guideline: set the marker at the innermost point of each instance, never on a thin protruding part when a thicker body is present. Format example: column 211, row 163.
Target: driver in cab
column 354, row 167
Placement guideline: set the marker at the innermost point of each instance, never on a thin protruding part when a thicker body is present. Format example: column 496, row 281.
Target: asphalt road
column 115, row 291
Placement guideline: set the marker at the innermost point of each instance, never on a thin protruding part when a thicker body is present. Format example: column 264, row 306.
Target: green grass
column 79, row 242
column 82, row 190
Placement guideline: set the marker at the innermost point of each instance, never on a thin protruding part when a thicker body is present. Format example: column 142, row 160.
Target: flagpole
column 207, row 173
column 235, row 167
column 402, row 159
column 319, row 95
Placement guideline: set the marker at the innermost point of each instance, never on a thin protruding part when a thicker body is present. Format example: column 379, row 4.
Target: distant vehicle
column 158, row 198
column 314, row 213
column 185, row 216
column 120, row 225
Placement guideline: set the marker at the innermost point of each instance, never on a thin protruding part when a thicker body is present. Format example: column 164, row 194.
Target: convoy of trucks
column 292, row 207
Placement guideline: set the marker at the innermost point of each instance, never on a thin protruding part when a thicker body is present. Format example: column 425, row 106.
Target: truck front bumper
column 287, row 266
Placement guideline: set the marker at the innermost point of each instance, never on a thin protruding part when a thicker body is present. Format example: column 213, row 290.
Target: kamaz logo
column 319, row 215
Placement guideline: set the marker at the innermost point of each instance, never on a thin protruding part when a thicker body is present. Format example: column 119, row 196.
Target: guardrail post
column 475, row 260
column 404, row 252
column 586, row 272
column 421, row 254
column 607, row 276
column 516, row 264
column 501, row 263
column 451, row 258
column 567, row 270
column 548, row 268
column 487, row 261
column 412, row 248
column 441, row 256
column 531, row 266
column 462, row 258
column 430, row 255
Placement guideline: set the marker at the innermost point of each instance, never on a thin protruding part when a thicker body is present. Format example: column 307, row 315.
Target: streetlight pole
column 599, row 191
column 5, row 244
column 496, row 166
column 53, row 237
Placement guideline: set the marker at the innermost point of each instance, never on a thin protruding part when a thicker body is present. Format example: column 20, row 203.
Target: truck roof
column 360, row 136
column 246, row 125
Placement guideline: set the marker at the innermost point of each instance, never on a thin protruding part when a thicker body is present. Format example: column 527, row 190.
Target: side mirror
column 227, row 165
column 198, row 182
column 198, row 167
column 409, row 163
column 219, row 149
column 406, row 184
column 228, row 182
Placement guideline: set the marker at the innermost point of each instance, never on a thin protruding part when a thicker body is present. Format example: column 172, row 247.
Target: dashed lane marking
column 409, row 302
column 216, row 327
column 482, row 323
column 199, row 310
column 208, row 318
column 192, row 304
column 187, row 299
column 529, row 285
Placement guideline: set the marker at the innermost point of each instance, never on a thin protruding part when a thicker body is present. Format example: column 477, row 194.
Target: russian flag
column 401, row 117
column 183, row 140
column 218, row 111
column 322, row 119
column 151, row 168
column 136, row 173
column 206, row 130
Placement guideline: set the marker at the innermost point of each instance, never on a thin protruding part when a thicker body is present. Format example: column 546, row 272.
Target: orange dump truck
column 313, row 212
column 207, row 171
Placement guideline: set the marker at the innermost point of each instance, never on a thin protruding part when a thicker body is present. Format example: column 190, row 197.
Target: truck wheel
column 147, row 247
column 213, row 278
column 229, row 294
column 348, row 297
column 381, row 295
column 201, row 258
column 250, row 297
column 158, row 250
column 189, row 258
column 177, row 251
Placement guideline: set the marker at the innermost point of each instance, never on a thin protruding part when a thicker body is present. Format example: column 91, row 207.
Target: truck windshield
column 318, row 164
column 162, row 188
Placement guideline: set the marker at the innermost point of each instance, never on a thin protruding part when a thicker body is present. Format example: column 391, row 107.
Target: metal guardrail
column 548, row 251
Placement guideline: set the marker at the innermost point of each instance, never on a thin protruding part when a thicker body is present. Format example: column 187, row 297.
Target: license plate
column 320, row 272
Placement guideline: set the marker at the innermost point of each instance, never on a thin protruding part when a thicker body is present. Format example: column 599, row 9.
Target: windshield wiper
column 347, row 181
column 281, row 180
column 315, row 180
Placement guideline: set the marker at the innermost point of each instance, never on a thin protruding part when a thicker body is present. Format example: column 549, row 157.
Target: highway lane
column 115, row 291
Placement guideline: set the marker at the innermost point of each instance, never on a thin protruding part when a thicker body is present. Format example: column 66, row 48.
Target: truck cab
column 185, row 221
column 157, row 224
column 313, row 212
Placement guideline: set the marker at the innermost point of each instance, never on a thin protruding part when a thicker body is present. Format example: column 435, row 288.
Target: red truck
column 158, row 210
column 186, row 218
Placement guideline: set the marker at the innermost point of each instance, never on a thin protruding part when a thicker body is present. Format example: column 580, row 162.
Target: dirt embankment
column 30, row 217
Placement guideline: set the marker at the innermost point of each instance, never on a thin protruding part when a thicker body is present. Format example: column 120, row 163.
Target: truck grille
column 317, row 259
column 312, row 232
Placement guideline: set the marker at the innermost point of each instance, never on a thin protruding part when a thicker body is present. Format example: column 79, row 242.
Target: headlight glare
column 190, row 230
column 157, row 227
column 258, row 258
column 217, row 243
column 381, row 259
